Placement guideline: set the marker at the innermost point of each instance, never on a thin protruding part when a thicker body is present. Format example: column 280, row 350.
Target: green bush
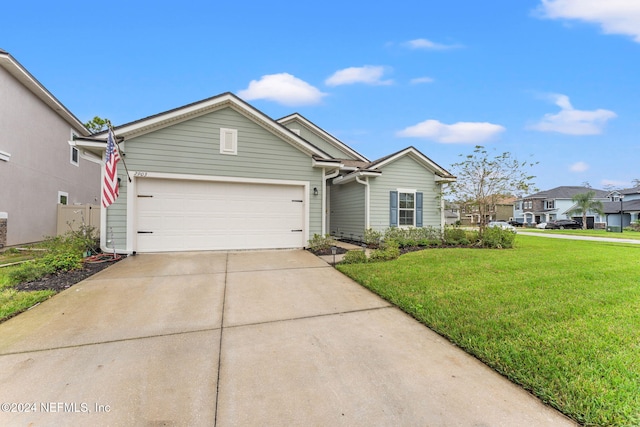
column 389, row 250
column 497, row 238
column 321, row 243
column 413, row 236
column 455, row 236
column 354, row 257
column 372, row 237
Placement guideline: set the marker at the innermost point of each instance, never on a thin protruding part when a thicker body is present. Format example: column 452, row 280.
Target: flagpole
column 118, row 147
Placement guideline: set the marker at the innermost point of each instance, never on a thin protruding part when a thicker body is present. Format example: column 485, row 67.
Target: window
column 63, row 198
column 228, row 141
column 517, row 205
column 528, row 204
column 406, row 209
column 74, row 157
column 551, row 204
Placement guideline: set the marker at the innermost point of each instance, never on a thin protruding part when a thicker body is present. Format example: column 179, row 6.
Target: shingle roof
column 566, row 192
column 614, row 207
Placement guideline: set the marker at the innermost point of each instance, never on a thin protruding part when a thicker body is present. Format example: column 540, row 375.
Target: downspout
column 325, row 177
column 366, row 201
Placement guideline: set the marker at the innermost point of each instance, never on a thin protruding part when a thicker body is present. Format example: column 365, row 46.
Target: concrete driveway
column 274, row 338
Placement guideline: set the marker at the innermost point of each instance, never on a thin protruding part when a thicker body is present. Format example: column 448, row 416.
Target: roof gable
column 325, row 136
column 199, row 108
column 416, row 155
column 14, row 68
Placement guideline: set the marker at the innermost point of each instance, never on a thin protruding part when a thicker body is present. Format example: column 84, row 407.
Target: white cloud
column 429, row 45
column 368, row 74
column 614, row 16
column 579, row 167
column 457, row 133
column 420, row 80
column 282, row 88
column 570, row 121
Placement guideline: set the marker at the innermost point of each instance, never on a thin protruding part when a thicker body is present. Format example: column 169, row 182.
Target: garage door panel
column 195, row 215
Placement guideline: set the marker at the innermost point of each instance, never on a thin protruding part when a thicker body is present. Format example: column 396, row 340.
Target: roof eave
column 13, row 67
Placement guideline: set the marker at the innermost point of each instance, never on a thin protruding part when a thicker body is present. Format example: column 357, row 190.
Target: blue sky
column 552, row 81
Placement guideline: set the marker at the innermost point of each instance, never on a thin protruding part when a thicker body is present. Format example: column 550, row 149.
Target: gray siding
column 319, row 142
column 347, row 210
column 404, row 173
column 193, row 147
column 37, row 139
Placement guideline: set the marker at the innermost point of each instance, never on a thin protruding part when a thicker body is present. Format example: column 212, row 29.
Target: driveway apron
column 241, row 339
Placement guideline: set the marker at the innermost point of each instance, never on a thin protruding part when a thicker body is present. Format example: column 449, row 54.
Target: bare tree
column 482, row 180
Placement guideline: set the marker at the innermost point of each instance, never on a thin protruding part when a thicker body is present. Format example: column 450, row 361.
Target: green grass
column 559, row 317
column 13, row 301
column 634, row 235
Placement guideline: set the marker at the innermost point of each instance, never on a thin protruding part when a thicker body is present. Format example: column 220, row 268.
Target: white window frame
column 74, row 150
column 65, row 195
column 224, row 148
column 413, row 193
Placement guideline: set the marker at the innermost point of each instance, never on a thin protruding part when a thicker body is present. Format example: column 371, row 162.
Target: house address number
column 140, row 174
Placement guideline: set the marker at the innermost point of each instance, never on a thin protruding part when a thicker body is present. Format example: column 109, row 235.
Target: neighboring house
column 553, row 204
column 630, row 207
column 500, row 210
column 219, row 174
column 38, row 167
column 451, row 213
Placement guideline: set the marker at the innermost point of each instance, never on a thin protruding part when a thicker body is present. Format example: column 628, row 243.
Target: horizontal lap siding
column 319, row 142
column 193, row 148
column 404, row 173
column 347, row 210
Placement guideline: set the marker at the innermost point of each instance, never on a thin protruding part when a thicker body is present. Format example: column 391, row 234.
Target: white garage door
column 179, row 215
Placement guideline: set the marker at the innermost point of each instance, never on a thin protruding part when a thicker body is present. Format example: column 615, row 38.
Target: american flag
column 110, row 189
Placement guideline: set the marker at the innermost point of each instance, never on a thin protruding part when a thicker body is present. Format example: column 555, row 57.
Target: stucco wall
column 39, row 167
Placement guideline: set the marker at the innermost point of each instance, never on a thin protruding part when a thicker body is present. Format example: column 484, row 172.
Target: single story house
column 219, row 174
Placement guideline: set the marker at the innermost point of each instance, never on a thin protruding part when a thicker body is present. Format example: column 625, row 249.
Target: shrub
column 372, row 237
column 389, row 250
column 412, row 236
column 321, row 243
column 455, row 236
column 354, row 257
column 497, row 238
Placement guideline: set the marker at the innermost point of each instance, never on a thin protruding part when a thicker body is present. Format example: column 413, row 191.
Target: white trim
column 332, row 140
column 77, row 152
column 367, row 201
column 4, row 215
column 63, row 194
column 420, row 158
column 131, row 234
column 325, row 177
column 407, row 191
column 4, row 156
column 224, row 149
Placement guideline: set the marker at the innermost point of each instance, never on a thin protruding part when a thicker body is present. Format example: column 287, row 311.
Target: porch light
column 315, row 191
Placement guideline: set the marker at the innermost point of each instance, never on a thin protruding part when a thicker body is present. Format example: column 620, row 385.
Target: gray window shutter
column 393, row 209
column 418, row 209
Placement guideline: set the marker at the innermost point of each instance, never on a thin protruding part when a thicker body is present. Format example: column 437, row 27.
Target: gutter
column 325, row 177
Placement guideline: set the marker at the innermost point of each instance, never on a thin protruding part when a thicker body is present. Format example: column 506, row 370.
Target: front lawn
column 559, row 317
column 634, row 235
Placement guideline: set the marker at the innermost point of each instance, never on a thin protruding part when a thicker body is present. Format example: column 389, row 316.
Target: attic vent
column 228, row 141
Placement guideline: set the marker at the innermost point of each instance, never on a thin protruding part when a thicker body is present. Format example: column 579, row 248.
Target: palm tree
column 584, row 202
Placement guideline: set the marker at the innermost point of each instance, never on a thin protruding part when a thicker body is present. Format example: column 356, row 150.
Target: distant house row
column 620, row 206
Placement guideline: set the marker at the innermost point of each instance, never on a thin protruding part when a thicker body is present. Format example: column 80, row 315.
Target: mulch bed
column 63, row 280
column 339, row 250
